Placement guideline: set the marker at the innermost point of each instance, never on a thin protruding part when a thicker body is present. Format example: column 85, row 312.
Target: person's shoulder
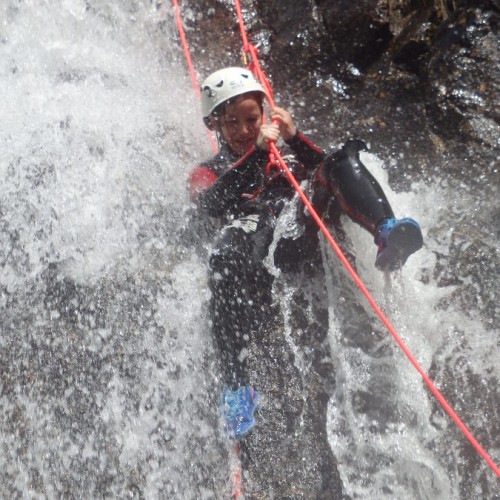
column 219, row 162
column 200, row 178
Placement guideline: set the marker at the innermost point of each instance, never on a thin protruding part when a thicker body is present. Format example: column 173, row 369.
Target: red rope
column 187, row 54
column 255, row 65
column 237, row 482
column 185, row 46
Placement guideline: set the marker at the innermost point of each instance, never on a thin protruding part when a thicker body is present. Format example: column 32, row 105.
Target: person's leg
column 363, row 199
column 358, row 192
column 241, row 294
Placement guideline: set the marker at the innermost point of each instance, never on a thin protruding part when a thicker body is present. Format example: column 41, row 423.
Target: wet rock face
column 358, row 31
column 464, row 77
column 295, row 34
column 419, row 81
column 437, row 61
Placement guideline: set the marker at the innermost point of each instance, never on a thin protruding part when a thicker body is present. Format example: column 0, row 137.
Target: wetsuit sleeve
column 306, row 151
column 200, row 179
column 224, row 195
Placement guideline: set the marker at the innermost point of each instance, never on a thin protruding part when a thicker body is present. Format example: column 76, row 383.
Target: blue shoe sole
column 404, row 239
column 238, row 409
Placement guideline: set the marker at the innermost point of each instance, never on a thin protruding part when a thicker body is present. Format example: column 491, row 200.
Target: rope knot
column 272, row 163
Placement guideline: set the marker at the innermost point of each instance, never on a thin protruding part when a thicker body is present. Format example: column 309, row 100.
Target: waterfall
column 108, row 381
column 105, row 375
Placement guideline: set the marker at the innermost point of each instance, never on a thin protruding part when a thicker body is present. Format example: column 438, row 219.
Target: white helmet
column 225, row 84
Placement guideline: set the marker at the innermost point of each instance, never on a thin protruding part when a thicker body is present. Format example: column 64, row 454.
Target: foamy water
column 107, row 365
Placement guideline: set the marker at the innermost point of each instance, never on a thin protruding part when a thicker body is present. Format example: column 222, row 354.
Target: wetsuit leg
column 357, row 191
column 241, row 292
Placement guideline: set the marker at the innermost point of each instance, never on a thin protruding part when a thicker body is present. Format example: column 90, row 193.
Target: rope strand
column 187, row 55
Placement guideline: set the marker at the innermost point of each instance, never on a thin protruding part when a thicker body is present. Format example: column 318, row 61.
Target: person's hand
column 287, row 127
column 267, row 133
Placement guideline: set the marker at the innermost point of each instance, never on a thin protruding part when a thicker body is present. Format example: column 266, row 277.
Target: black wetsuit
column 249, row 200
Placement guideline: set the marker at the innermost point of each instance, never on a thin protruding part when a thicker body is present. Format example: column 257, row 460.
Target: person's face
column 240, row 123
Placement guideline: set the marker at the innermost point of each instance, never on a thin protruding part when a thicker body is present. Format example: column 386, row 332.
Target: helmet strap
column 220, row 138
column 215, row 118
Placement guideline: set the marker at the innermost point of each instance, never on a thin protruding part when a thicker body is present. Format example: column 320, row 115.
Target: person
column 237, row 188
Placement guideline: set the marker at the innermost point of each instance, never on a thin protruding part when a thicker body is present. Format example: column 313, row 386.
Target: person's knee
column 226, row 262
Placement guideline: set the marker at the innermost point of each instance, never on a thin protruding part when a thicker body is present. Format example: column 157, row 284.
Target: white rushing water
column 100, row 127
column 106, row 362
column 401, row 461
column 90, row 106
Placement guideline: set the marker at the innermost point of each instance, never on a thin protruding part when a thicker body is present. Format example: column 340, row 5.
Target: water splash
column 108, row 377
column 105, row 372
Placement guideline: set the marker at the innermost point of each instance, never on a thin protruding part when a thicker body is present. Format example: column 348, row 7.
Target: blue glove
column 238, row 408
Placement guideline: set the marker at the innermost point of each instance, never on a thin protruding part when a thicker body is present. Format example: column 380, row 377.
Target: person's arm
column 306, row 151
column 216, row 196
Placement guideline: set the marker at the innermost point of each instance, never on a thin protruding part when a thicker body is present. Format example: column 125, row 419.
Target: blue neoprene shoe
column 238, row 409
column 397, row 240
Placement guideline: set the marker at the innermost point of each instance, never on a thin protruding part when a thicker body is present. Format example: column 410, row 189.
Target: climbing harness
column 250, row 57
